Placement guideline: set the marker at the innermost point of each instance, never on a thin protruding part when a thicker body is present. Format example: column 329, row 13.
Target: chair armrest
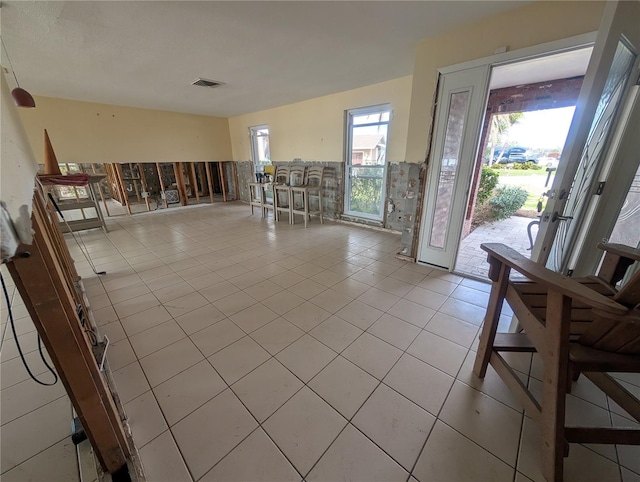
column 552, row 280
column 621, row 250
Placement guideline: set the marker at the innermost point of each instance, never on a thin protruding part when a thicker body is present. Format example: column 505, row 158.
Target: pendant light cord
column 9, row 60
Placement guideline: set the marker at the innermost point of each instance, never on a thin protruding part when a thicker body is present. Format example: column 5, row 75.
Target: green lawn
column 531, row 180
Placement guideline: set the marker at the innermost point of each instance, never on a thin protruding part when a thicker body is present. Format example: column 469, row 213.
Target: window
column 260, row 151
column 366, row 166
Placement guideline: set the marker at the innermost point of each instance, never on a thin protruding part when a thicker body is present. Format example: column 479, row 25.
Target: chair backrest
column 629, row 294
column 282, row 175
column 614, row 334
column 315, row 176
column 297, row 175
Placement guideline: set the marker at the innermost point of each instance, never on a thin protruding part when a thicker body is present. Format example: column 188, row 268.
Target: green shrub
column 488, row 182
column 507, row 201
column 498, row 166
column 525, row 166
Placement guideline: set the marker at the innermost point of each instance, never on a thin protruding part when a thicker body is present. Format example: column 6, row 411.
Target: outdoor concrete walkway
column 512, row 232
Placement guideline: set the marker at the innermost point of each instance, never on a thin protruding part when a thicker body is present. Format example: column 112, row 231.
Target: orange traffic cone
column 51, row 166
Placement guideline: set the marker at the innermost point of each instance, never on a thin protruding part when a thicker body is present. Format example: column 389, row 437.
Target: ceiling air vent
column 207, row 83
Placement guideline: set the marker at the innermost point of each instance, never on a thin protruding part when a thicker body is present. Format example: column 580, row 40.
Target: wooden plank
column 617, row 392
column 182, row 189
column 193, row 180
column 603, row 435
column 59, row 246
column 513, row 342
column 39, row 278
column 494, row 308
column 166, row 205
column 555, row 360
column 207, row 167
column 516, row 386
column 223, row 181
column 202, row 177
column 532, row 325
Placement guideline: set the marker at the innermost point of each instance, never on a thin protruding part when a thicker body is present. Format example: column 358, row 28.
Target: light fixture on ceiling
column 21, row 97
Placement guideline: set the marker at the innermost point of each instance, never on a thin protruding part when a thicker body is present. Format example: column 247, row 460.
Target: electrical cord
column 15, row 337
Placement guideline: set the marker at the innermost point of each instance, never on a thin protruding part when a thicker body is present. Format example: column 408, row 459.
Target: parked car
column 510, row 154
column 547, row 161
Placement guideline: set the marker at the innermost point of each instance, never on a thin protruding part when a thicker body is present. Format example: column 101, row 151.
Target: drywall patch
column 401, row 203
column 244, row 171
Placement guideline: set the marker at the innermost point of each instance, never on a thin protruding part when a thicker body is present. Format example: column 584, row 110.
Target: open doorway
column 529, row 111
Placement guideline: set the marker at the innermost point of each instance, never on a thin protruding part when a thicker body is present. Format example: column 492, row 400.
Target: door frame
column 541, row 50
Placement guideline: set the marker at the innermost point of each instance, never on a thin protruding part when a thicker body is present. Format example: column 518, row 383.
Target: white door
column 461, row 104
column 596, row 148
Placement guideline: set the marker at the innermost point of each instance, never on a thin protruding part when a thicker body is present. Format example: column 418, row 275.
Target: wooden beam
column 202, row 177
column 38, row 275
column 223, row 181
column 603, row 435
column 193, row 181
column 209, row 181
column 125, row 196
column 182, row 189
column 512, row 380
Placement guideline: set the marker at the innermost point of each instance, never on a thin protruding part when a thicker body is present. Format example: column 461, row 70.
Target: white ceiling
column 147, row 53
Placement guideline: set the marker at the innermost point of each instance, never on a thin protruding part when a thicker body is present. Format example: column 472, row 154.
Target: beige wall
column 527, row 26
column 313, row 130
column 88, row 132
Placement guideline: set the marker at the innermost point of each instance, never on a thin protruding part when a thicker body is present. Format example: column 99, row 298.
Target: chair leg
column 498, row 290
column 555, row 359
column 291, row 215
column 305, row 201
column 320, row 207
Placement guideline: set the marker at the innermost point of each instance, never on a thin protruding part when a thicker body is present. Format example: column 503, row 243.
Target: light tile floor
column 246, row 350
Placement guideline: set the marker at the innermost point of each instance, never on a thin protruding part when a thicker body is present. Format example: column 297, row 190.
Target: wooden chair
column 312, row 189
column 263, row 191
column 282, row 200
column 256, row 197
column 583, row 325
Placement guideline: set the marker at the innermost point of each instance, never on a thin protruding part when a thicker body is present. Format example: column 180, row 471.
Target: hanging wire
column 9, row 60
column 15, row 337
